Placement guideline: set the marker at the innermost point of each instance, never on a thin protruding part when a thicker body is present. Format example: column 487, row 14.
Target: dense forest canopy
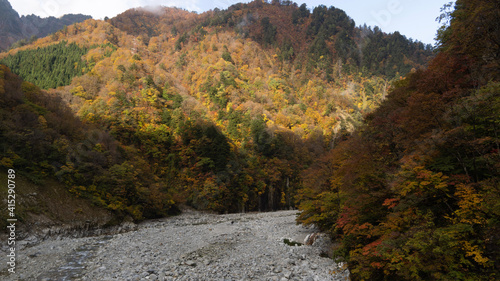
column 227, row 107
column 267, row 106
column 50, row 67
column 155, row 94
column 414, row 193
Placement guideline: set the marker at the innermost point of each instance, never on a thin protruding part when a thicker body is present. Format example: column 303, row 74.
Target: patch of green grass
column 291, row 243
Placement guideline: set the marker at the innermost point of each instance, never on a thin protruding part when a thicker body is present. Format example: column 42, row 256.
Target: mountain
column 323, row 36
column 222, row 110
column 14, row 28
column 389, row 146
column 414, row 194
column 51, row 151
column 9, row 23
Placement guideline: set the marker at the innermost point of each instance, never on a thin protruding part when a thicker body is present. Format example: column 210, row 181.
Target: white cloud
column 190, row 5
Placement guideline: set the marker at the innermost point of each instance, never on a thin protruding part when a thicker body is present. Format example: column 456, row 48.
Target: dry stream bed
column 192, row 246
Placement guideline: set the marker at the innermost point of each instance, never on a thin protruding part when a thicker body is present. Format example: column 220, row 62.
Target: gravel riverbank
column 192, row 246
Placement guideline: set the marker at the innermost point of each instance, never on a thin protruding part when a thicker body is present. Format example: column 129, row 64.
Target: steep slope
column 50, row 67
column 414, row 195
column 223, row 114
column 44, row 142
column 14, row 28
column 323, row 38
column 9, row 24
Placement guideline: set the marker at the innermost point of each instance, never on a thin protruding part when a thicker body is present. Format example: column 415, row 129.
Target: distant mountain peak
column 14, row 27
column 5, row 3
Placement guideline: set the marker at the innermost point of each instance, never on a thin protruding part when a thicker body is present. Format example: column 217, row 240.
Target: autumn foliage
column 268, row 106
column 413, row 195
column 221, row 110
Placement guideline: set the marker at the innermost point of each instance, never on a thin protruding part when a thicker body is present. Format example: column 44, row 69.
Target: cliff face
column 9, row 24
column 14, row 28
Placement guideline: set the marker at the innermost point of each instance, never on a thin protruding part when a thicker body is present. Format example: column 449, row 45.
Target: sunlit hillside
column 222, row 107
column 386, row 144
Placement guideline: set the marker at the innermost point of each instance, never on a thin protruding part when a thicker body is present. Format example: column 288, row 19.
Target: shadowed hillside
column 223, row 110
column 414, row 193
column 389, row 146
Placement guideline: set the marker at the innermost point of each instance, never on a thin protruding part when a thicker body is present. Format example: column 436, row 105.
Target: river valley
column 191, row 246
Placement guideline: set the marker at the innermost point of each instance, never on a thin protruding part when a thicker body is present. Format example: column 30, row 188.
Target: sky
column 413, row 18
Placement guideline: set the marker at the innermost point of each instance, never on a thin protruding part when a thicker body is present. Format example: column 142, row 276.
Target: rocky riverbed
column 192, row 246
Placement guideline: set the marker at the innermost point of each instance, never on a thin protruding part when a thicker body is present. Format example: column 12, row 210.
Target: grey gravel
column 192, row 246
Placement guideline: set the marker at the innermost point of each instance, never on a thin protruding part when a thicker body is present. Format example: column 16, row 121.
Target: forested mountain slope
column 271, row 106
column 414, row 193
column 324, row 37
column 219, row 108
column 43, row 140
column 21, row 30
